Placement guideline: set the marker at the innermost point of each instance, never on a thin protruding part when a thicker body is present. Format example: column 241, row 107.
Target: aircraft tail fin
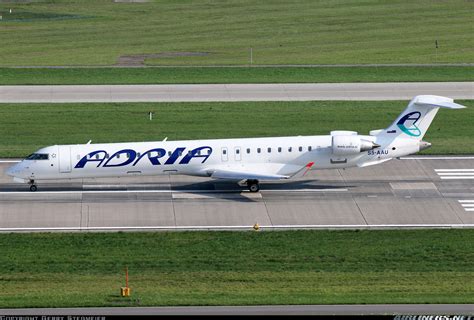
column 414, row 121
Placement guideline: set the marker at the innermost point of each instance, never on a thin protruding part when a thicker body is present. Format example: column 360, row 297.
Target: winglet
column 308, row 167
column 303, row 171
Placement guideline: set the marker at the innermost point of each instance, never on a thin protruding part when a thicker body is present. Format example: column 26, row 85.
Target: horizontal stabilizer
column 437, row 101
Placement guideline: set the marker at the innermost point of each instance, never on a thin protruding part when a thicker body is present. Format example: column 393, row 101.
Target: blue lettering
column 201, row 152
column 131, row 155
column 153, row 159
column 91, row 158
column 175, row 155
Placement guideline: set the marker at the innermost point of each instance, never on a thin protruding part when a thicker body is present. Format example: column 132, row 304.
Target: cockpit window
column 38, row 156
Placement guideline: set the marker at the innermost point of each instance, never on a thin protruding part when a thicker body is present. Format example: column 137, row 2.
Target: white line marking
column 437, row 158
column 110, row 186
column 9, row 161
column 187, row 195
column 468, row 205
column 454, row 170
column 466, row 201
column 456, row 173
column 469, row 209
column 304, row 190
column 460, row 177
column 246, row 227
column 166, row 191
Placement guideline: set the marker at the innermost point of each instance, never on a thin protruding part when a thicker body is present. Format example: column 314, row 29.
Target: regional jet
column 246, row 161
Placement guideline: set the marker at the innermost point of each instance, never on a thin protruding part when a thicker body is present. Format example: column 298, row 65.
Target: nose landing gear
column 33, row 187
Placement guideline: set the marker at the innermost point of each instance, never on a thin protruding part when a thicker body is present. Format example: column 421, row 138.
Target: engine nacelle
column 345, row 145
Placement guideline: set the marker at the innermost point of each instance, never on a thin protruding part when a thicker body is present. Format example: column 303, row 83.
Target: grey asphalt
column 378, row 309
column 417, row 192
column 232, row 92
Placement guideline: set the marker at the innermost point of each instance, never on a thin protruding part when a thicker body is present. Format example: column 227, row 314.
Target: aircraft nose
column 13, row 170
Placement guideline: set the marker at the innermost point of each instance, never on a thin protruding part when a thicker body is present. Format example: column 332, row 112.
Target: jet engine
column 351, row 144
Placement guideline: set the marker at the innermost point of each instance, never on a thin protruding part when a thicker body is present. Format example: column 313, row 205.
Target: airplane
column 246, row 161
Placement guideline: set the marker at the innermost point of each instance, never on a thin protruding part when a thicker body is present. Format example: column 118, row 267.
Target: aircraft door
column 64, row 159
column 224, row 155
column 238, row 156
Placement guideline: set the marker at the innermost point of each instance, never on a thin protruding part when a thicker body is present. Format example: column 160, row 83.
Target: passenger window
column 97, row 156
column 169, row 153
column 180, row 153
column 289, row 149
column 258, row 150
column 224, row 151
column 118, row 155
column 269, row 150
column 279, row 149
column 310, row 148
column 248, row 150
column 237, row 151
column 300, row 149
column 138, row 155
column 208, row 151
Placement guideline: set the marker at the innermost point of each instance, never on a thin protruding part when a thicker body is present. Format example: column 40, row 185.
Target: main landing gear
column 253, row 185
column 33, row 186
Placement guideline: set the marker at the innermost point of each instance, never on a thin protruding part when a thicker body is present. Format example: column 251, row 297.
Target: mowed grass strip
column 192, row 75
column 99, row 32
column 24, row 128
column 234, row 268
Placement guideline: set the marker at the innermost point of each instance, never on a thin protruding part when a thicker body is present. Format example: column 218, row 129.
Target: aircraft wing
column 255, row 173
column 245, row 175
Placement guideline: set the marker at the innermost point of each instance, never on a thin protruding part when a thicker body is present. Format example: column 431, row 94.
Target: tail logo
column 408, row 124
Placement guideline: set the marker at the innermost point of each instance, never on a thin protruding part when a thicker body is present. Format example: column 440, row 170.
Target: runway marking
column 244, row 227
column 468, row 205
column 454, row 170
column 412, row 186
column 165, row 191
column 456, row 177
column 438, row 158
column 187, row 195
column 450, row 174
column 10, row 161
column 111, row 186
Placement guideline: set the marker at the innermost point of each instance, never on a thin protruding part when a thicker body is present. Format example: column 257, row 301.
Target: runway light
column 256, row 227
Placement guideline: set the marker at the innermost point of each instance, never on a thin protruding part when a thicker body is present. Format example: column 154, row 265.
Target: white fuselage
column 275, row 155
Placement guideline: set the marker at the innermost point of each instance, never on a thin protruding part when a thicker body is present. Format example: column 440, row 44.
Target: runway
column 233, row 92
column 414, row 192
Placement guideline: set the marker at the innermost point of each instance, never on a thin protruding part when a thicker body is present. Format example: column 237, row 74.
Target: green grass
column 232, row 268
column 98, row 32
column 24, row 128
column 43, row 76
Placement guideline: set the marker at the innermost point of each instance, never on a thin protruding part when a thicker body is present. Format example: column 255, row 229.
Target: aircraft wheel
column 33, row 188
column 253, row 185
